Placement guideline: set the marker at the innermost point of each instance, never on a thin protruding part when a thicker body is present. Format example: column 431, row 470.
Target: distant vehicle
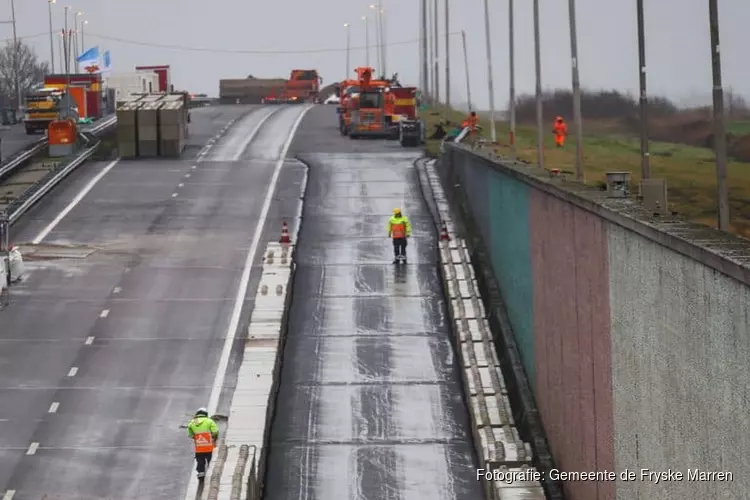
column 332, row 99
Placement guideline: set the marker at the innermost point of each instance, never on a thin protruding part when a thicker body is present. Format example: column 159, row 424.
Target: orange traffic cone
column 285, row 234
column 444, row 236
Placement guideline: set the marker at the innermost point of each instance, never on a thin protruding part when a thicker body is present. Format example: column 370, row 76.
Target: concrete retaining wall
column 633, row 330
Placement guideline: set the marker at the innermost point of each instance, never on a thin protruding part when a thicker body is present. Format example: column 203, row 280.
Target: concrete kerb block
column 502, row 446
column 487, row 380
column 516, row 490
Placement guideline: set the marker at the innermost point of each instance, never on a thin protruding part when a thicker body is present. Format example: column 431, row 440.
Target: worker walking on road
column 399, row 228
column 560, row 129
column 204, row 432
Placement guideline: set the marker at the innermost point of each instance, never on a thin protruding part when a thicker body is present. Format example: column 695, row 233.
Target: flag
column 89, row 60
column 106, row 62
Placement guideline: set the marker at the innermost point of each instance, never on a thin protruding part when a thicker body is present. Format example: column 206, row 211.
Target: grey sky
column 677, row 37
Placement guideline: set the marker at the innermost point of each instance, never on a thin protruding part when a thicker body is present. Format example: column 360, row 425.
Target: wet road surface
column 103, row 357
column 370, row 403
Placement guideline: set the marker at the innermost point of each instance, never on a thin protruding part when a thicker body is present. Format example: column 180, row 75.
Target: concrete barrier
column 632, row 328
column 497, row 440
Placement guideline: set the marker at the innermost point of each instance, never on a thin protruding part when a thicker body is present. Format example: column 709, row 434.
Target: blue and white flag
column 88, row 62
column 106, row 62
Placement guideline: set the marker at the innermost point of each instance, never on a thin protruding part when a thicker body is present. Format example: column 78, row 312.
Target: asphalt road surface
column 370, row 405
column 14, row 139
column 104, row 355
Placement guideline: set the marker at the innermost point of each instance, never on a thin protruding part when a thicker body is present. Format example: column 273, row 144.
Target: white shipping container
column 126, row 84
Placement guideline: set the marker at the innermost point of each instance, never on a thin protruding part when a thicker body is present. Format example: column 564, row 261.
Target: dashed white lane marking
column 73, row 371
column 181, row 184
column 9, row 495
column 32, row 448
column 193, row 167
column 52, row 225
column 104, row 313
column 53, row 407
column 187, row 176
column 174, row 195
column 116, row 290
column 89, row 341
column 251, row 136
column 221, row 370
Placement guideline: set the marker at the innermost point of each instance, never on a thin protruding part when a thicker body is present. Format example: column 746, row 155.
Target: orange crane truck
column 367, row 109
column 303, row 86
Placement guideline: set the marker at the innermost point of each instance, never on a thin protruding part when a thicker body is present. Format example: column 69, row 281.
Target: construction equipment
column 364, row 109
column 303, row 86
column 42, row 108
column 404, row 116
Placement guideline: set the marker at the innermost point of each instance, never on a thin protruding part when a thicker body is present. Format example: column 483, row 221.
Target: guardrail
column 24, row 202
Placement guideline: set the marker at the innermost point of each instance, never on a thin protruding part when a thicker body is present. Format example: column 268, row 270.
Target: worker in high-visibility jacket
column 204, row 433
column 399, row 228
column 560, row 129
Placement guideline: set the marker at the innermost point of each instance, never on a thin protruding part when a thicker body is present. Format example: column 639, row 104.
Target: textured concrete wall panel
column 475, row 180
column 680, row 370
column 571, row 324
column 511, row 258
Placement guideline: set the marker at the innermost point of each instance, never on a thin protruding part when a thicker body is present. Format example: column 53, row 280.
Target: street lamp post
column 577, row 118
column 720, row 137
column 645, row 163
column 16, row 62
column 466, row 70
column 435, row 48
column 447, row 56
column 367, row 40
column 378, row 46
column 348, row 45
column 83, row 46
column 490, row 84
column 512, row 76
column 51, row 36
column 383, row 40
column 66, row 45
column 425, row 70
column 77, row 47
column 539, row 111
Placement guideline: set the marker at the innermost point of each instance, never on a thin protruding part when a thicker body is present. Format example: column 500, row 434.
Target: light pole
column 16, row 63
column 447, row 56
column 490, row 85
column 430, row 53
column 645, row 164
column 720, row 138
column 51, row 36
column 466, row 69
column 378, row 47
column 77, row 47
column 577, row 118
column 348, row 45
column 367, row 40
column 425, row 70
column 436, row 44
column 512, row 76
column 539, row 115
column 83, row 46
column 66, row 44
column 383, row 40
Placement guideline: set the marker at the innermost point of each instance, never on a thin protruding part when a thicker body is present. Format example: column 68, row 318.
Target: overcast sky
column 677, row 35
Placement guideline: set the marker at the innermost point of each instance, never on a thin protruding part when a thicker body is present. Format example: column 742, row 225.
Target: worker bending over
column 560, row 129
column 204, row 433
column 471, row 122
column 399, row 228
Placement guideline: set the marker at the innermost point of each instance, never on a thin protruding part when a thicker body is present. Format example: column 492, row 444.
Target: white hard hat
column 201, row 411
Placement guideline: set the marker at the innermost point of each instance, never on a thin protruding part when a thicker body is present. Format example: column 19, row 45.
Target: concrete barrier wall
column 634, row 338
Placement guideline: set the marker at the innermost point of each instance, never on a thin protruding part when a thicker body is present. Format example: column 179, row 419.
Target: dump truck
column 248, row 90
column 42, row 108
column 367, row 109
column 403, row 110
column 303, row 85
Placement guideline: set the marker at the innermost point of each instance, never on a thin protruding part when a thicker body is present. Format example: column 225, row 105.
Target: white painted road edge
column 256, row 425
column 496, row 437
column 221, row 371
column 93, row 182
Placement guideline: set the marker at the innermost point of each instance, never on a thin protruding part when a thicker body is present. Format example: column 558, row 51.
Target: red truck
column 303, row 86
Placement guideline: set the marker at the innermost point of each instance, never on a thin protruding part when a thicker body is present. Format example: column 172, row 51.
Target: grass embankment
column 689, row 171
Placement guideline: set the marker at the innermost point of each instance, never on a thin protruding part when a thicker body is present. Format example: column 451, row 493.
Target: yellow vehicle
column 42, row 107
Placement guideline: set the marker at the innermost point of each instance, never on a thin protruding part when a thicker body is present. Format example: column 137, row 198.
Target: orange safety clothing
column 204, row 442
column 560, row 129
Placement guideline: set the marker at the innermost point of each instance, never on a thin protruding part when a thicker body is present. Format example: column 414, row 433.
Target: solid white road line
column 252, row 134
column 52, row 225
column 221, row 371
